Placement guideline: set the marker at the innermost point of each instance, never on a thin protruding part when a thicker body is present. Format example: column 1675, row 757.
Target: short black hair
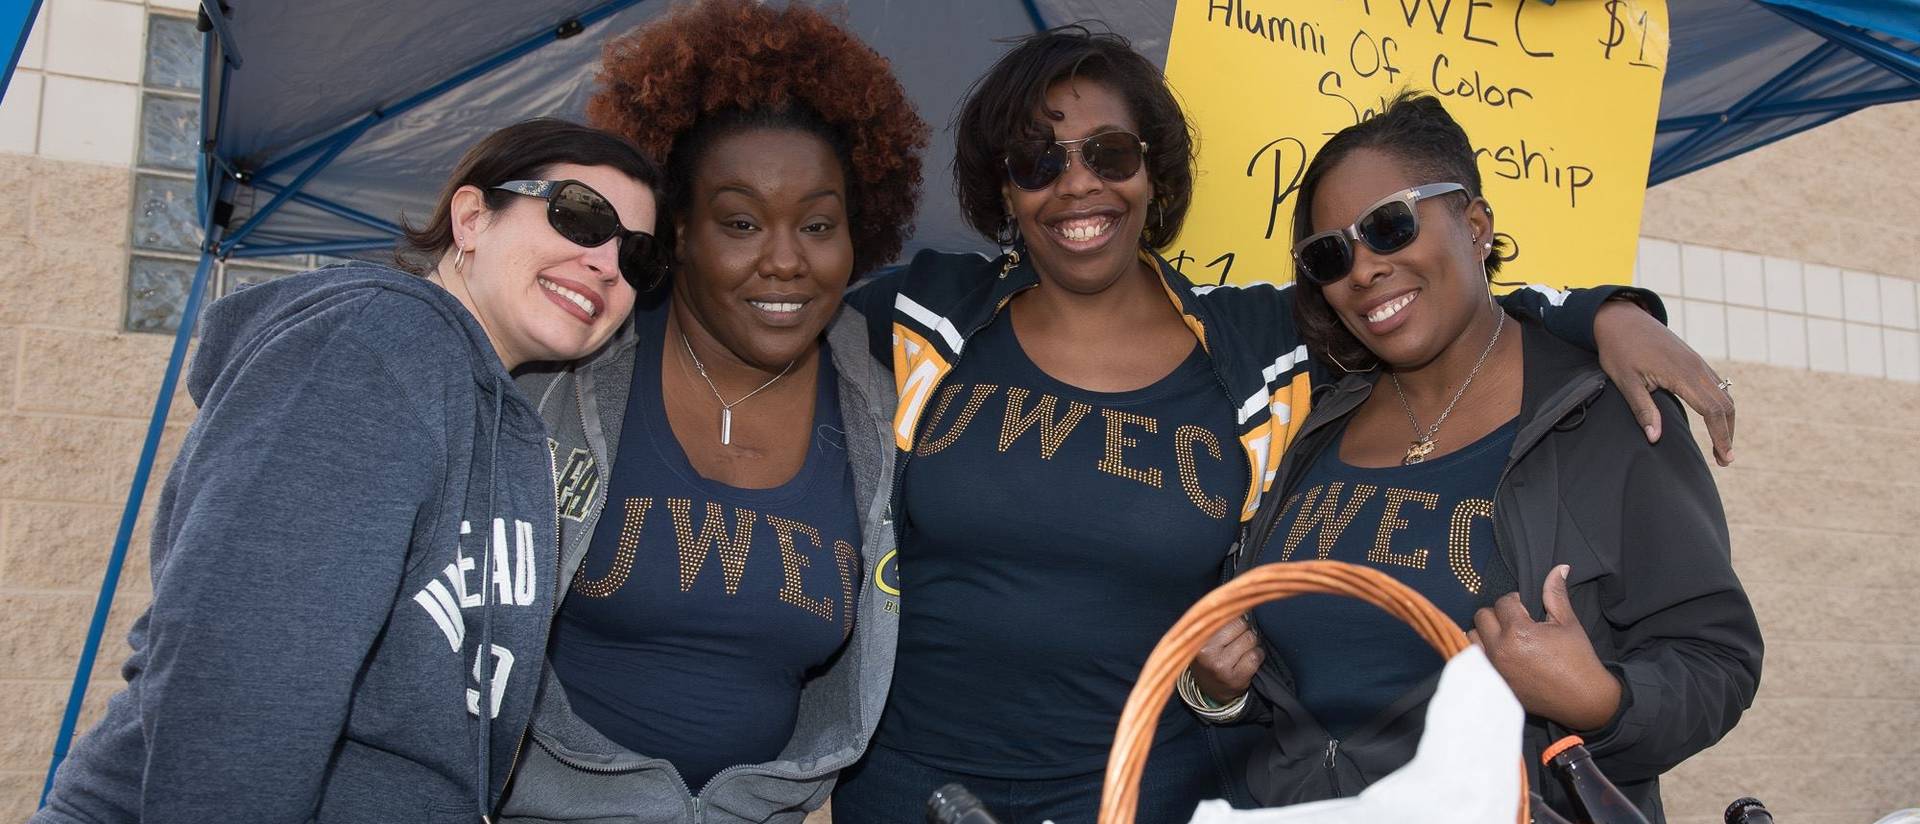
column 523, row 150
column 1415, row 129
column 999, row 110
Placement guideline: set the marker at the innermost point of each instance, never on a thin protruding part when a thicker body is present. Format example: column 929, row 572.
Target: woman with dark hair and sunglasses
column 1075, row 482
column 723, row 646
column 1592, row 565
column 352, row 554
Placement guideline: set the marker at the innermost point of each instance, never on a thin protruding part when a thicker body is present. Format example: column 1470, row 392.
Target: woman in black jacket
column 1498, row 472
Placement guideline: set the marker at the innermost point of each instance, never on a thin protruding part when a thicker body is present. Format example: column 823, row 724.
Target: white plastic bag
column 1465, row 771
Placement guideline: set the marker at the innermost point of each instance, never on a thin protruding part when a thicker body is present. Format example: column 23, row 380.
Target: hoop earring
column 459, row 257
column 1344, row 368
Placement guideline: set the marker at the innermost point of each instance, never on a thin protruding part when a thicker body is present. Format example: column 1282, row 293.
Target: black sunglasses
column 1386, row 227
column 1113, row 156
column 586, row 218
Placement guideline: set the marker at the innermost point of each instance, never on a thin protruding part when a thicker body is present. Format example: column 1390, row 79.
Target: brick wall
column 75, row 393
column 1826, row 480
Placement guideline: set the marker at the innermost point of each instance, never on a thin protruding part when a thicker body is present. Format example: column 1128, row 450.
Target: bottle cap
column 1560, row 746
column 1738, row 809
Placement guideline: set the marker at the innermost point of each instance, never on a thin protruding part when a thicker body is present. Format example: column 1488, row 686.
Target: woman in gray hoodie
column 727, row 617
column 353, row 555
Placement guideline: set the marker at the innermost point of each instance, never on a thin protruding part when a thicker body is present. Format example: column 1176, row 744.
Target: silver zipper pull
column 1333, row 746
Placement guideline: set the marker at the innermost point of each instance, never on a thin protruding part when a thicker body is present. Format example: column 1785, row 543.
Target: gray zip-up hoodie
column 572, row 773
column 364, row 503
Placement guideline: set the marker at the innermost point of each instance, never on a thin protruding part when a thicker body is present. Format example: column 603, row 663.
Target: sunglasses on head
column 1113, row 156
column 586, row 218
column 1385, row 227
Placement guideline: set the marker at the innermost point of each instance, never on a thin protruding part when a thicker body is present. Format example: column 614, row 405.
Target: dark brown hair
column 717, row 68
column 1415, row 129
column 1000, row 109
column 524, row 150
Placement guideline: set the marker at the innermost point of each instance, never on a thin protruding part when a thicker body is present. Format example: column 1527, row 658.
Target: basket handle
column 1120, row 797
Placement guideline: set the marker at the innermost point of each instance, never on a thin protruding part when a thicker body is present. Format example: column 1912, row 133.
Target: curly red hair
column 661, row 81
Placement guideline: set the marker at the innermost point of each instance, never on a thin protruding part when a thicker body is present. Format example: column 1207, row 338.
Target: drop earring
column 1009, row 239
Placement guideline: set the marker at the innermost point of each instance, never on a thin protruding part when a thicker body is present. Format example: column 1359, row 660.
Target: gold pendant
column 1419, row 450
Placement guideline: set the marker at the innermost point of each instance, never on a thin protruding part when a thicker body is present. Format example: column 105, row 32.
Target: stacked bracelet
column 1205, row 707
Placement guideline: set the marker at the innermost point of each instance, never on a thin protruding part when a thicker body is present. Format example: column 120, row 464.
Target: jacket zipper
column 1333, row 744
column 1333, row 774
column 559, row 563
column 587, row 768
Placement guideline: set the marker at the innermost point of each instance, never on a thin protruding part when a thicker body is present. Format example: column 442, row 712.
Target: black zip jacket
column 1651, row 579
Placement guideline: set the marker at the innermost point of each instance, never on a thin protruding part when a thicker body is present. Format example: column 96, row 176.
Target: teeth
column 1390, row 309
column 1083, row 230
column 772, row 306
column 576, row 298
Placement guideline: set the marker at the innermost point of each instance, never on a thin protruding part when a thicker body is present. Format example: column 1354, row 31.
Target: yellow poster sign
column 1559, row 100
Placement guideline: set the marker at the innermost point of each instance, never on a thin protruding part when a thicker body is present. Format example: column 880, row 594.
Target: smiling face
column 539, row 296
column 1410, row 305
column 1083, row 232
column 765, row 250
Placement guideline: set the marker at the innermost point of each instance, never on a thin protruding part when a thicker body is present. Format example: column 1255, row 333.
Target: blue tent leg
column 101, row 607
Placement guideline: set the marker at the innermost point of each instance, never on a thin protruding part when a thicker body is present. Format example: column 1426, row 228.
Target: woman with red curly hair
column 723, row 646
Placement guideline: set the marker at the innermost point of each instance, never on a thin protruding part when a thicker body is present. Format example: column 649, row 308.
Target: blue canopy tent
column 325, row 122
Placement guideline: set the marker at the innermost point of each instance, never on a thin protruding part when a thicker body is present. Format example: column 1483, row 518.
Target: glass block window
column 173, row 53
column 157, row 293
column 164, row 216
column 166, row 238
column 170, row 132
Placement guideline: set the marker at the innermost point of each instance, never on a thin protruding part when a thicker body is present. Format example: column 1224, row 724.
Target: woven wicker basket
column 1120, row 797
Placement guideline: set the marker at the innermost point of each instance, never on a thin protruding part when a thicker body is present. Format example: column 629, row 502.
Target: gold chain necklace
column 1423, row 444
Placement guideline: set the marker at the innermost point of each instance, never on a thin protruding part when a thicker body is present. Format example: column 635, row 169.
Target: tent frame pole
column 325, row 247
column 130, row 514
column 1822, row 105
column 353, row 131
column 1866, row 46
column 1674, row 157
column 330, row 147
column 333, row 208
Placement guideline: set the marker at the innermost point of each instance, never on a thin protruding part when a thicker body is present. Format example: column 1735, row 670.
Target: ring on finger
column 1725, row 385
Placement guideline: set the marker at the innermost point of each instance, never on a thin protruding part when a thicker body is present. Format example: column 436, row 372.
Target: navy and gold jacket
column 920, row 317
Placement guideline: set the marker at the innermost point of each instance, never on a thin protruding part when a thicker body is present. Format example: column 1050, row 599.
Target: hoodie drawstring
column 485, row 672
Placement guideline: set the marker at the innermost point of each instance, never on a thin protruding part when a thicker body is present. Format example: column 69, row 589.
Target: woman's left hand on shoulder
column 1550, row 665
column 1641, row 354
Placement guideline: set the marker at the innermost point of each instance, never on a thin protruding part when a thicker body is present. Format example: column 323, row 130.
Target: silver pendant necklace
column 1423, row 443
column 726, row 409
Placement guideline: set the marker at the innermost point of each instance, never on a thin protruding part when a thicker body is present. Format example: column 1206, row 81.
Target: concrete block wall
column 1785, row 268
column 75, row 389
column 75, row 393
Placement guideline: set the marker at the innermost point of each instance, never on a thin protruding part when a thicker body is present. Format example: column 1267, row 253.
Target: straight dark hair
column 1415, row 129
column 522, row 151
column 999, row 109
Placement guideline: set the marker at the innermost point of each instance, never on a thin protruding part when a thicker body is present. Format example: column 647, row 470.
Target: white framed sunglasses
column 1386, row 227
